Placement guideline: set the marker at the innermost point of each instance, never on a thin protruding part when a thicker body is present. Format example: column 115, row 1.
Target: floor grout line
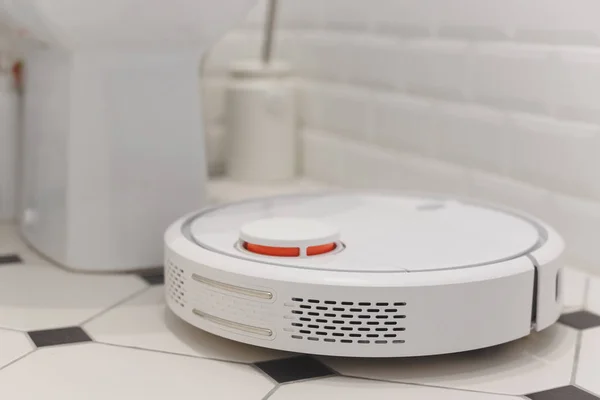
column 263, row 373
column 587, row 391
column 18, row 359
column 586, row 292
column 30, row 340
column 197, row 357
column 113, row 306
column 315, row 378
column 335, row 371
column 270, row 393
column 5, row 328
column 52, row 346
column 430, row 386
column 576, row 358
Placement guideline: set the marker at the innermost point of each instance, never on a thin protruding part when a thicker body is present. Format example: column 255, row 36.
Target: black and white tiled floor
column 70, row 336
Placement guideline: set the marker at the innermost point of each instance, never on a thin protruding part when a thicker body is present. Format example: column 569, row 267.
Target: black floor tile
column 54, row 337
column 580, row 320
column 563, row 393
column 154, row 277
column 10, row 259
column 294, row 369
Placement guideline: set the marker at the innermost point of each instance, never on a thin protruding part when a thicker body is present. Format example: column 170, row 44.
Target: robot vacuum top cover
column 364, row 274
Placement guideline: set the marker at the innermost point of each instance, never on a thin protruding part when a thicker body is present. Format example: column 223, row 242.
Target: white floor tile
column 9, row 239
column 593, row 299
column 145, row 322
column 588, row 369
column 12, row 346
column 540, row 361
column 43, row 297
column 574, row 283
column 100, row 372
column 360, row 389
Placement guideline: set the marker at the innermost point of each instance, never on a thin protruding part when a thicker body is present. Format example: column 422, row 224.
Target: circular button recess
column 380, row 233
column 289, row 237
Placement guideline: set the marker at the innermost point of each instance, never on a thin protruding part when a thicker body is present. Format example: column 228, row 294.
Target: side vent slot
column 175, row 282
column 342, row 322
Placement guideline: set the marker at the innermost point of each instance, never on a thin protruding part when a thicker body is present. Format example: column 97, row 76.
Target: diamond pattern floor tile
column 580, row 320
column 540, row 361
column 588, row 369
column 12, row 346
column 361, row 389
column 294, row 369
column 43, row 297
column 563, row 393
column 145, row 322
column 54, row 337
column 98, row 372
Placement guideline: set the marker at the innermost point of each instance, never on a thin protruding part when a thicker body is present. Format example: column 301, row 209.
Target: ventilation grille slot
column 175, row 283
column 346, row 322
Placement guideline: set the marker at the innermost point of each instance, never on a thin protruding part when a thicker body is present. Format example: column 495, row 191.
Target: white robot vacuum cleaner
column 364, row 274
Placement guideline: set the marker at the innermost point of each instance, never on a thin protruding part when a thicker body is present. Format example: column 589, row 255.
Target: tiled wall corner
column 495, row 100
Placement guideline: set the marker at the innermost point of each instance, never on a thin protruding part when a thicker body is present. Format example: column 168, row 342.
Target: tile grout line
column 587, row 391
column 586, row 291
column 51, row 346
column 113, row 306
column 270, row 393
column 170, row 353
column 316, row 378
column 18, row 359
column 263, row 373
column 6, row 328
column 430, row 386
column 31, row 340
column 334, row 373
column 576, row 358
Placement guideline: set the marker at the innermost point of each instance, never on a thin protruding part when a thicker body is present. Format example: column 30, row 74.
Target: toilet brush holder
column 261, row 123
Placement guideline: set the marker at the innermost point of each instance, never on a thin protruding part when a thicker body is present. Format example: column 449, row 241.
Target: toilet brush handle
column 269, row 30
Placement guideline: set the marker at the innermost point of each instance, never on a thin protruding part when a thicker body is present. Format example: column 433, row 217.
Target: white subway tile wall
column 404, row 123
column 495, row 100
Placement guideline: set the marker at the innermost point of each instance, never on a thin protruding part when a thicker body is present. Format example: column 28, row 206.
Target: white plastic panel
column 549, row 261
column 433, row 318
column 381, row 233
column 113, row 153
